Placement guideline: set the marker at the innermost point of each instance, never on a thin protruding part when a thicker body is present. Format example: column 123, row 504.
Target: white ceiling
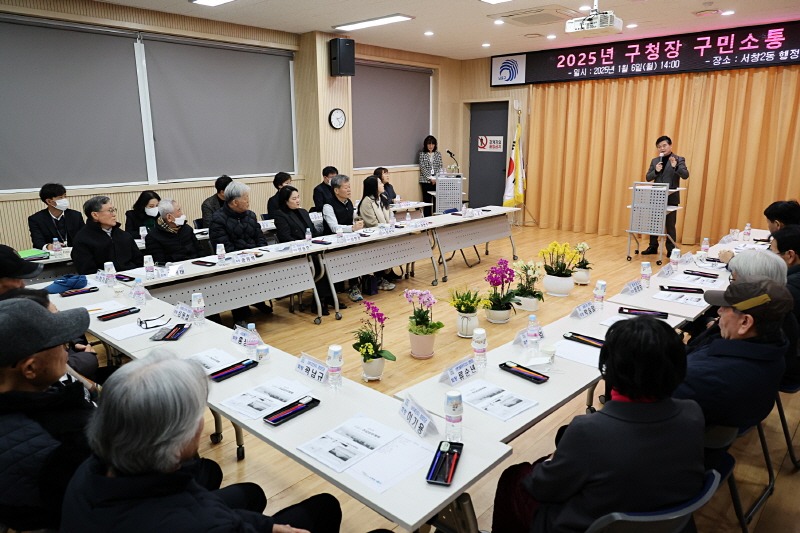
column 461, row 26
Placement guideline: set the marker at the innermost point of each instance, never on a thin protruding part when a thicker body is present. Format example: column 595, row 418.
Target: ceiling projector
column 596, row 23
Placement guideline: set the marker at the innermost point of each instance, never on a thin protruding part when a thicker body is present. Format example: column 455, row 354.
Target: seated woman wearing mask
column 172, row 240
column 144, row 213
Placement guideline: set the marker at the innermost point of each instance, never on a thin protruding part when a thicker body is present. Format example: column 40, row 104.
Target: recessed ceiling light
column 551, row 36
column 494, row 1
column 727, row 13
column 632, row 25
column 486, row 45
column 585, row 8
column 428, row 33
column 373, row 22
column 209, row 3
column 499, row 22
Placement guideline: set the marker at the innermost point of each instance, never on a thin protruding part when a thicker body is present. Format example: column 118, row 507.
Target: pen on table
column 452, row 467
column 228, row 371
column 93, row 310
column 526, row 371
column 586, row 340
column 434, row 465
column 287, row 412
column 444, row 467
column 173, row 332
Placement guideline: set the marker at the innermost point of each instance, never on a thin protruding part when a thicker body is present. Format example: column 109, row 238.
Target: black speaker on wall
column 343, row 56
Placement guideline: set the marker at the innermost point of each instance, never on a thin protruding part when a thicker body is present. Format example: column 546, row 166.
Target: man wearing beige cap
column 735, row 378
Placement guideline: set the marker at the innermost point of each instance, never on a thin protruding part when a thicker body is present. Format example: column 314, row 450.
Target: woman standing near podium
column 430, row 165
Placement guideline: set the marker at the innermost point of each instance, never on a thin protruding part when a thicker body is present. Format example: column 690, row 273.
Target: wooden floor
column 286, row 482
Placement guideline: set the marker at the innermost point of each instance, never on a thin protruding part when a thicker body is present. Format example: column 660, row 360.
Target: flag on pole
column 514, row 193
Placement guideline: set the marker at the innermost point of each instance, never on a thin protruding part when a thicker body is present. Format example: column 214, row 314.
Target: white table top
column 740, row 244
column 412, row 501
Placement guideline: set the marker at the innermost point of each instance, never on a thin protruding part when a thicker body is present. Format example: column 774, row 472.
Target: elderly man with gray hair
column 339, row 211
column 235, row 225
column 172, row 240
column 145, row 436
column 101, row 240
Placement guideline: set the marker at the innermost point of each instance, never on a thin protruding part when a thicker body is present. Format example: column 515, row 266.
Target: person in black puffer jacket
column 172, row 240
column 102, row 240
column 235, row 225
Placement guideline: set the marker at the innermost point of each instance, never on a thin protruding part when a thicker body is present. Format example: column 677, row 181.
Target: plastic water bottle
column 647, row 271
column 747, row 231
column 149, row 267
column 220, row 253
column 453, row 411
column 339, row 233
column 57, row 251
column 479, row 348
column 599, row 294
column 142, row 232
column 198, row 310
column 532, row 337
column 111, row 273
column 408, row 216
column 308, row 234
column 251, row 342
column 334, row 362
column 674, row 258
column 392, row 222
column 139, row 297
column 705, row 246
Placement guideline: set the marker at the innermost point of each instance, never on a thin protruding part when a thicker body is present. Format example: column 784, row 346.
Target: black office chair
column 677, row 519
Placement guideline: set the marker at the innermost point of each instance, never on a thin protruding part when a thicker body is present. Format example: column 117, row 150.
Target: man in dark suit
column 102, row 240
column 323, row 193
column 667, row 168
column 56, row 221
column 281, row 180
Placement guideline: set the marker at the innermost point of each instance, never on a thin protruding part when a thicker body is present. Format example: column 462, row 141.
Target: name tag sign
column 633, row 287
column 101, row 277
column 726, row 239
column 351, row 237
column 312, row 368
column 300, row 246
column 176, row 270
column 240, row 259
column 459, row 372
column 666, row 272
column 686, row 258
column 182, row 311
column 239, row 336
column 417, row 417
column 583, row 310
column 419, row 224
column 264, row 224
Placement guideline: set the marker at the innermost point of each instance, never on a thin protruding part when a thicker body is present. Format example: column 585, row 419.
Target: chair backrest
column 673, row 520
column 720, row 437
column 198, row 223
column 266, row 216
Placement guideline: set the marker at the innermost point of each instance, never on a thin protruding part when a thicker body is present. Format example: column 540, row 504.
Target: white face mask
column 181, row 220
column 151, row 211
column 62, row 204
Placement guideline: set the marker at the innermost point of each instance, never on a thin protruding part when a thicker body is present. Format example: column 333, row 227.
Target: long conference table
column 410, row 502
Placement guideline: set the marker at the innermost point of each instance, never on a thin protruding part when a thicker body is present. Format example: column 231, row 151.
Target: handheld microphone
column 451, row 154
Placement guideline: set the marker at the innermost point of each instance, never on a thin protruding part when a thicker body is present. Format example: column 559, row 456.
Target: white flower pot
column 421, row 345
column 372, row 370
column 581, row 276
column 556, row 286
column 498, row 316
column 527, row 303
column 466, row 324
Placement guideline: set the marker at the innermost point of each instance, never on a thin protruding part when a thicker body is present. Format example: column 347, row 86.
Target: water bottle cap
column 531, row 317
column 645, row 263
column 55, row 239
column 138, row 280
column 251, row 326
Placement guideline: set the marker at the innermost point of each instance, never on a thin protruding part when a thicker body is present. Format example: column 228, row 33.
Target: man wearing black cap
column 735, row 378
column 42, row 442
column 14, row 270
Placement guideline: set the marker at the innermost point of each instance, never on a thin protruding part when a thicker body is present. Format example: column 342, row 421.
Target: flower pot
column 466, row 323
column 421, row 345
column 526, row 303
column 581, row 276
column 557, row 286
column 372, row 370
column 498, row 316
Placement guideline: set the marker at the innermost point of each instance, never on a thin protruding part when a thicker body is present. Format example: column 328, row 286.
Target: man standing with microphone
column 667, row 168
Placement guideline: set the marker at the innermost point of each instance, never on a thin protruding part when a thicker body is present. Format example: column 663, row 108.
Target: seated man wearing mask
column 56, row 221
column 172, row 240
column 42, row 442
column 102, row 240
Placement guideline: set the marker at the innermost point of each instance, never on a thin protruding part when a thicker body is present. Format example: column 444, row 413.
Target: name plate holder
column 182, row 311
column 311, row 368
column 666, row 271
column 460, row 371
column 633, row 287
column 417, row 417
column 583, row 310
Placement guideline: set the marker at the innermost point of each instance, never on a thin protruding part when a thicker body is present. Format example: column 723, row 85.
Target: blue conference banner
column 748, row 47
